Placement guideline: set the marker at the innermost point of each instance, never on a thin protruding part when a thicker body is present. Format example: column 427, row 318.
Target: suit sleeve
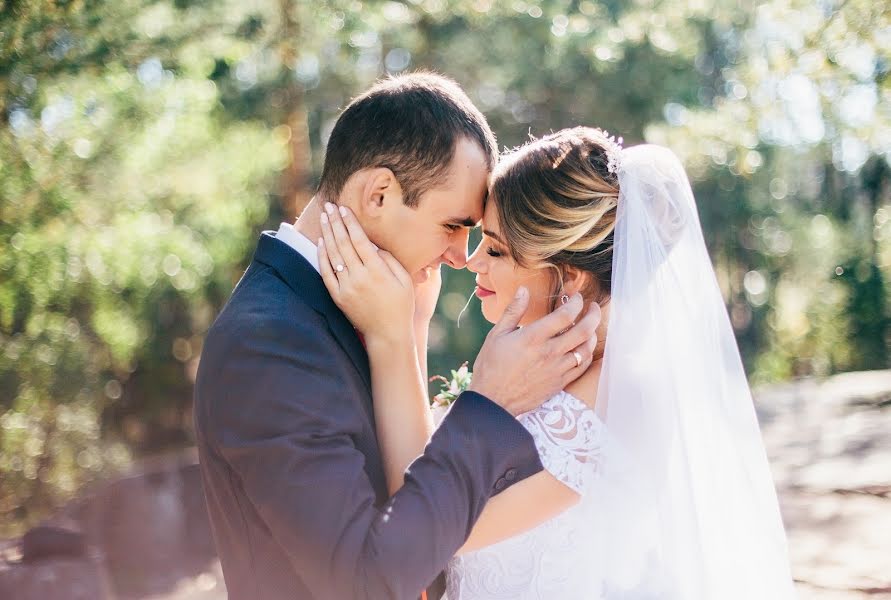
column 287, row 438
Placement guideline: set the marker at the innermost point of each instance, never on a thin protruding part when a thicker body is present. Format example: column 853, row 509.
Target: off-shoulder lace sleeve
column 569, row 437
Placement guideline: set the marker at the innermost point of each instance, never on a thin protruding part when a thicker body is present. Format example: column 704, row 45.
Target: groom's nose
column 456, row 254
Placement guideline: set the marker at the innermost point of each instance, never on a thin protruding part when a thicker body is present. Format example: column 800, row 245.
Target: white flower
column 450, row 390
column 439, row 412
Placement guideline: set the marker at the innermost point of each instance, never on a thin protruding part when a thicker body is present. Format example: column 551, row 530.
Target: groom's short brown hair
column 409, row 124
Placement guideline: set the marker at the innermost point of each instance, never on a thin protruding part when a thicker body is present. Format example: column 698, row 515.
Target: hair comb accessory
column 613, row 148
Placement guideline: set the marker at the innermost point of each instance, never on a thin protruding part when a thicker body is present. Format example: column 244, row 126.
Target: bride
column 656, row 483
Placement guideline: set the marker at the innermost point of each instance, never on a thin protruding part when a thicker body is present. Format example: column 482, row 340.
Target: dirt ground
column 829, row 444
column 830, row 448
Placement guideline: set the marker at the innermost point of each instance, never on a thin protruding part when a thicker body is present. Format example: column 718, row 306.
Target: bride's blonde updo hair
column 556, row 202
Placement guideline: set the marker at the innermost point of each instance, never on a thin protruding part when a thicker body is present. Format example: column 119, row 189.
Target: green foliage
column 143, row 144
column 128, row 200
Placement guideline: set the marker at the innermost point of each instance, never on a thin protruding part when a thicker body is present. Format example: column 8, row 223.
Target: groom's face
column 436, row 231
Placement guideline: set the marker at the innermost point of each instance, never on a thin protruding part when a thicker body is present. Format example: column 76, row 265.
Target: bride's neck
column 585, row 387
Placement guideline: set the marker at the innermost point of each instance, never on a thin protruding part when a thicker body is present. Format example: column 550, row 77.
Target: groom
column 291, row 467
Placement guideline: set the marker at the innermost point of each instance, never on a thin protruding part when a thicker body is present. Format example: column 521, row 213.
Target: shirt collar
column 299, row 242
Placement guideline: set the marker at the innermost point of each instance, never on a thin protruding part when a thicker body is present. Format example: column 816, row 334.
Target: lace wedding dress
column 545, row 563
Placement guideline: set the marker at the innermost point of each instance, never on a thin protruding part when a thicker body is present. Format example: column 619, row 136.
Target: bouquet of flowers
column 449, row 391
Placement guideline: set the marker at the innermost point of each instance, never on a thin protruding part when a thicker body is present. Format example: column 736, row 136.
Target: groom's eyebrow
column 463, row 221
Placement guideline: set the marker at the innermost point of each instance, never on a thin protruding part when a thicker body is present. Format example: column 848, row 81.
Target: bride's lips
column 482, row 292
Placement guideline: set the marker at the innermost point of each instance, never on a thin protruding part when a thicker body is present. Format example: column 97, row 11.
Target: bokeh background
column 144, row 144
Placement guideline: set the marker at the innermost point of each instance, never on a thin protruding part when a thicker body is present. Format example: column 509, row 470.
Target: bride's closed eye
column 489, row 246
column 492, row 248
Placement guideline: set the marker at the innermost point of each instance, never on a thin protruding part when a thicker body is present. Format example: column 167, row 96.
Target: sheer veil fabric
column 686, row 507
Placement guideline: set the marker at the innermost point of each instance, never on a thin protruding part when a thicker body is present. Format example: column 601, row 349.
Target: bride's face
column 498, row 276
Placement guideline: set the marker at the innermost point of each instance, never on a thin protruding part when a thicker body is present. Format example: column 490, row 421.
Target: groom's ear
column 381, row 191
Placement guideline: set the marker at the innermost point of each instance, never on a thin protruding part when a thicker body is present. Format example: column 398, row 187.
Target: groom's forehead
column 449, row 207
column 467, row 211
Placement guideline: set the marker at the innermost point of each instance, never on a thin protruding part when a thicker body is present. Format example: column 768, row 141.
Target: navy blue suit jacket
column 290, row 462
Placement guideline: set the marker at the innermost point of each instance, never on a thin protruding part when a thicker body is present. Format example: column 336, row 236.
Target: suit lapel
column 307, row 283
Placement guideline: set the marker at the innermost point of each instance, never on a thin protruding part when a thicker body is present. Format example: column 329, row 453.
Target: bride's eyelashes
column 490, row 249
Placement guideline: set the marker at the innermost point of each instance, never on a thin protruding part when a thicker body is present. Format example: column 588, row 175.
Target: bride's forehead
column 490, row 216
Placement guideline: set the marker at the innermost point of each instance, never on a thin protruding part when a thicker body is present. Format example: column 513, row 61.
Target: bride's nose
column 476, row 261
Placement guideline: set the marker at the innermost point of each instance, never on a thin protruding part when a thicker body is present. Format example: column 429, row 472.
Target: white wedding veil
column 686, row 509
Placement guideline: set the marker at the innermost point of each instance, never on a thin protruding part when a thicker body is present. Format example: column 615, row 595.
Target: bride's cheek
column 499, row 308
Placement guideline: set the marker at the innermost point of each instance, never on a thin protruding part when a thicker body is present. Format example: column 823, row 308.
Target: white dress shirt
column 300, row 243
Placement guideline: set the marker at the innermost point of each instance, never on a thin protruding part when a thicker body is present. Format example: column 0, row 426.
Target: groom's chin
column 422, row 276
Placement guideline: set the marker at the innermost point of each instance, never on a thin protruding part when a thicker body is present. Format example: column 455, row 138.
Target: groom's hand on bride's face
column 521, row 368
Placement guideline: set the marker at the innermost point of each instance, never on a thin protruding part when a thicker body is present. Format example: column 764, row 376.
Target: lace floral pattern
column 569, row 439
column 539, row 564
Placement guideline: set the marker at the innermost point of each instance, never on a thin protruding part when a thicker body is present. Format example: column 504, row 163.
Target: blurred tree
column 143, row 144
column 128, row 199
column 802, row 124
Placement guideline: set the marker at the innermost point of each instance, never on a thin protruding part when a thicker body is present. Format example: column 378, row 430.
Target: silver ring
column 578, row 359
column 339, row 268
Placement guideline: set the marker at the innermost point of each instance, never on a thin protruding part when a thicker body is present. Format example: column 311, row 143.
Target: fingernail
column 343, row 211
column 521, row 292
column 324, row 218
column 329, row 208
column 577, row 297
column 321, row 242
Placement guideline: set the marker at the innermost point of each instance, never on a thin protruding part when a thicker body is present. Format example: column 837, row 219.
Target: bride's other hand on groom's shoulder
column 520, row 368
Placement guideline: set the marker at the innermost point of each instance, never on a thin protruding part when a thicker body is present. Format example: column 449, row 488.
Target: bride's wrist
column 391, row 341
column 422, row 323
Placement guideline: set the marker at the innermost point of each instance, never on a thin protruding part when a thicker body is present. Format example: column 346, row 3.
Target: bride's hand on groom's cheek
column 519, row 368
column 367, row 284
